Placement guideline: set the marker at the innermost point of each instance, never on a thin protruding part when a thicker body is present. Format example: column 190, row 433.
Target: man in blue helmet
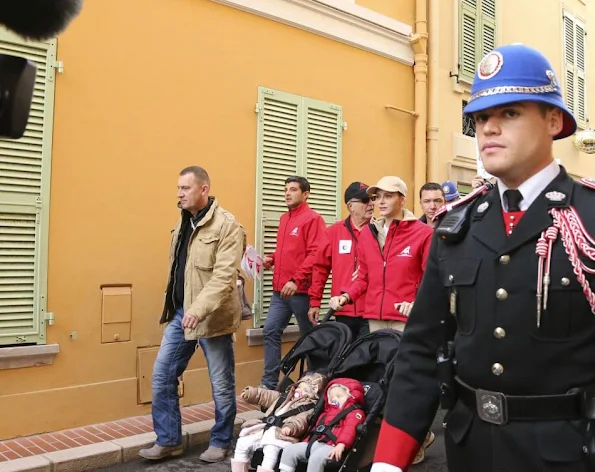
column 451, row 191
column 502, row 332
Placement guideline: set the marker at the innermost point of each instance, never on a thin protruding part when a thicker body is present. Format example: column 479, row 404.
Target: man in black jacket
column 508, row 282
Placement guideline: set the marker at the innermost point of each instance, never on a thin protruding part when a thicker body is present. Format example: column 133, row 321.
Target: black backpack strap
column 326, row 430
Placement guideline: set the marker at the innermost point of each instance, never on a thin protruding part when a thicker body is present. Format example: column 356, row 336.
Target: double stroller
column 328, row 349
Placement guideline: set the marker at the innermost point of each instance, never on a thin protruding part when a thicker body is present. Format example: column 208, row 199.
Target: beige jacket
column 214, row 256
column 298, row 423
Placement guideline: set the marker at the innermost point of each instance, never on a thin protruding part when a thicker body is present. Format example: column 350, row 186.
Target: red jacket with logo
column 337, row 251
column 346, row 429
column 297, row 240
column 393, row 274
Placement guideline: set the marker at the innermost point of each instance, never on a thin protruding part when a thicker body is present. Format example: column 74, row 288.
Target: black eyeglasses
column 361, row 200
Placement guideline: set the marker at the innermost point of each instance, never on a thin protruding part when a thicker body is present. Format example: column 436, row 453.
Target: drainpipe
column 419, row 42
column 433, row 105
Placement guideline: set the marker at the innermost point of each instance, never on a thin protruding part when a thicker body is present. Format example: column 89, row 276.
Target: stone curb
column 108, row 453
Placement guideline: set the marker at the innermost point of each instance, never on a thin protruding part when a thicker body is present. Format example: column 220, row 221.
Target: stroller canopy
column 370, row 358
column 319, row 347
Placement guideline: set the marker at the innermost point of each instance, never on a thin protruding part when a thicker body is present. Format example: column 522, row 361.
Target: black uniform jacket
column 495, row 277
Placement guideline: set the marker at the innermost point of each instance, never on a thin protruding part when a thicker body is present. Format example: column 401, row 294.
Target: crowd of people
column 496, row 285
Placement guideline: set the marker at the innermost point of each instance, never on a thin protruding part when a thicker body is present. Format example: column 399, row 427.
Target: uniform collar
column 532, row 187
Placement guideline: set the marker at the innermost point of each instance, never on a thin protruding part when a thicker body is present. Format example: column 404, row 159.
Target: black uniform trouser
column 472, row 445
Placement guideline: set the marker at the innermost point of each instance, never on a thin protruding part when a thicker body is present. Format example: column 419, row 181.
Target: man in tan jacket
column 201, row 306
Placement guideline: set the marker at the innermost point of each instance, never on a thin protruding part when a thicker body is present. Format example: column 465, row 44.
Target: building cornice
column 339, row 20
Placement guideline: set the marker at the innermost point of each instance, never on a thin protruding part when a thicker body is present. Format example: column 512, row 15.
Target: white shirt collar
column 533, row 186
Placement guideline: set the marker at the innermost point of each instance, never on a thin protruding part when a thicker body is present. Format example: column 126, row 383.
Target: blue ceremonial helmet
column 450, row 190
column 517, row 73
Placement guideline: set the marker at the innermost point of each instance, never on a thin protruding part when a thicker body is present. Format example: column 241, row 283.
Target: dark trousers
column 358, row 326
column 472, row 445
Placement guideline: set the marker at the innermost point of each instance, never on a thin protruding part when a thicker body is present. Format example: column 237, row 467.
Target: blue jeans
column 280, row 311
column 173, row 357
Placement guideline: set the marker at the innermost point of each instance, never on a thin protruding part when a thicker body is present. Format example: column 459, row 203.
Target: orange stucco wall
column 148, row 88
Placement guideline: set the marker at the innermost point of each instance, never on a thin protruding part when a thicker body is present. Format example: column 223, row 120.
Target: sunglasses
column 360, row 200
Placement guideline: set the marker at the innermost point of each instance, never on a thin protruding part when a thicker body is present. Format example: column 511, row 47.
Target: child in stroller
column 285, row 422
column 335, row 431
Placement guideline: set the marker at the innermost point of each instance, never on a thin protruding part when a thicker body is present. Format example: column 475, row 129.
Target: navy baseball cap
column 357, row 190
column 517, row 73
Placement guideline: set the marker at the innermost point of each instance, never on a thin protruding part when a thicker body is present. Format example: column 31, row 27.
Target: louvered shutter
column 569, row 61
column 296, row 136
column 580, row 58
column 24, row 204
column 575, row 68
column 278, row 147
column 468, row 44
column 323, row 150
column 488, row 27
column 477, row 35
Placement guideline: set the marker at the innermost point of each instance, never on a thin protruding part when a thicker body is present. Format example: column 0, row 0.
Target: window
column 575, row 38
column 24, row 204
column 296, row 136
column 477, row 34
column 468, row 123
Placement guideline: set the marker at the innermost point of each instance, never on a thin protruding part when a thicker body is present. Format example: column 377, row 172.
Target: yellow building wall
column 149, row 88
column 402, row 10
column 518, row 21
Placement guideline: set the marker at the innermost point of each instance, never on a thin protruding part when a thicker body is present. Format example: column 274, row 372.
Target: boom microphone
column 32, row 19
column 38, row 19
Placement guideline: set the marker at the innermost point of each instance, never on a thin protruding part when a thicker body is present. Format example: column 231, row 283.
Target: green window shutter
column 464, row 189
column 488, row 27
column 323, row 131
column 295, row 136
column 25, row 166
column 278, row 148
column 569, row 61
column 477, row 35
column 468, row 44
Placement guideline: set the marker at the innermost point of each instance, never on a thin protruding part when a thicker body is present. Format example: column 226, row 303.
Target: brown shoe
column 158, row 452
column 421, row 454
column 214, row 454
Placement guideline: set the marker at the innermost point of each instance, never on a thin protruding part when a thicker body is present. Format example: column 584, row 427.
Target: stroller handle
column 328, row 315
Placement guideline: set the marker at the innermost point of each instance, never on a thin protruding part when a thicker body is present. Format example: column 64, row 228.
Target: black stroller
column 370, row 360
column 315, row 351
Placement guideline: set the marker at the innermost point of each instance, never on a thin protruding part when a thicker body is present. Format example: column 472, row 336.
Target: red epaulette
column 588, row 182
column 466, row 199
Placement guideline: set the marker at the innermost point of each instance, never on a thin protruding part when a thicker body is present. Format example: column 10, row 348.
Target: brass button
column 451, row 277
column 565, row 281
column 501, row 294
column 497, row 369
column 505, row 259
column 499, row 333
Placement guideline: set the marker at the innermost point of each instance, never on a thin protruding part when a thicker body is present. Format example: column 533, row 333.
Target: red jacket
column 345, row 430
column 394, row 274
column 297, row 241
column 337, row 251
